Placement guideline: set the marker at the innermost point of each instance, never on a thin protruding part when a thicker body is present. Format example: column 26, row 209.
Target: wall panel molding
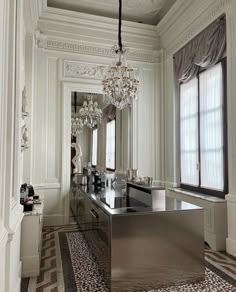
column 53, row 122
column 75, row 69
column 231, row 71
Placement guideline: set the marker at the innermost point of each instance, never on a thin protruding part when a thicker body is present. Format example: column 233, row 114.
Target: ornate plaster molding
column 77, row 69
column 73, row 47
column 215, row 10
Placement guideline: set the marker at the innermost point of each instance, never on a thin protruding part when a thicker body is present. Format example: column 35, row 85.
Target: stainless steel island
column 148, row 240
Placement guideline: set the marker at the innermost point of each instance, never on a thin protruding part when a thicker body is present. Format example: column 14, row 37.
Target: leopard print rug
column 88, row 275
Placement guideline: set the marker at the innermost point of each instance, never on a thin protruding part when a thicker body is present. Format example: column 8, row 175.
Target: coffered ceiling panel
column 144, row 11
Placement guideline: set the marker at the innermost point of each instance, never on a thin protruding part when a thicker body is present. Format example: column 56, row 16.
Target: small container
column 134, row 174
column 129, row 174
column 149, row 180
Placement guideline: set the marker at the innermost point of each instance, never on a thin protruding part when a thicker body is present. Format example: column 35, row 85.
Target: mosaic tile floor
column 61, row 271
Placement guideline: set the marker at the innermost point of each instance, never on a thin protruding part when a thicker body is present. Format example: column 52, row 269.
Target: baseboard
column 231, row 246
column 216, row 242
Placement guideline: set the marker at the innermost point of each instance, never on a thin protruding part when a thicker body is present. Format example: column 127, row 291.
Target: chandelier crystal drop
column 90, row 114
column 120, row 82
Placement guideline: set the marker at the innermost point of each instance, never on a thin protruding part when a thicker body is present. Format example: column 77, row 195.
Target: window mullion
column 199, row 142
column 224, row 121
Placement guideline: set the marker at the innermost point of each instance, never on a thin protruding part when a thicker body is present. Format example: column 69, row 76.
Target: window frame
column 207, row 191
column 95, row 128
column 107, row 168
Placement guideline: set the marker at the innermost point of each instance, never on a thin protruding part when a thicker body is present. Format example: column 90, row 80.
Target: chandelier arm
column 120, row 22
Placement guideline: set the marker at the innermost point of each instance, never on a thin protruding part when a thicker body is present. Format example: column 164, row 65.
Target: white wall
column 11, row 86
column 46, row 123
column 185, row 20
column 57, row 62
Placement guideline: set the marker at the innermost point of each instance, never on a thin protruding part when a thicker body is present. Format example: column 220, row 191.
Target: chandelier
column 120, row 82
column 76, row 124
column 90, row 114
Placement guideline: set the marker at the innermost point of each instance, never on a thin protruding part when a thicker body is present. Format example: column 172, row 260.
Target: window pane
column 211, row 128
column 189, row 132
column 94, row 147
column 110, row 144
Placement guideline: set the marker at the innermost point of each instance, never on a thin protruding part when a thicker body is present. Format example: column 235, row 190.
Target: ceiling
column 143, row 11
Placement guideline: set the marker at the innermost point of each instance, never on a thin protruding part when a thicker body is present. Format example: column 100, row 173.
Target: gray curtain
column 109, row 113
column 205, row 50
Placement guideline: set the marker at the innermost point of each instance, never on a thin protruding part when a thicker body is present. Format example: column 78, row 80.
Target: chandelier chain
column 120, row 82
column 120, row 23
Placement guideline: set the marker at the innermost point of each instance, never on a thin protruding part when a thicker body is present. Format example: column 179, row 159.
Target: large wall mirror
column 101, row 134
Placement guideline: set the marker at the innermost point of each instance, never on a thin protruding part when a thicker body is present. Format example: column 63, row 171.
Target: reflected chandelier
column 120, row 82
column 76, row 124
column 90, row 114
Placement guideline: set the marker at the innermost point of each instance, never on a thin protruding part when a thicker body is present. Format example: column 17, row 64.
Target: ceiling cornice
column 87, row 20
column 192, row 21
column 72, row 46
column 95, row 29
column 175, row 13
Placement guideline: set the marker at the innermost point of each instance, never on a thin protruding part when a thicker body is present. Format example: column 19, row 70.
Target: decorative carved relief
column 78, row 70
column 135, row 55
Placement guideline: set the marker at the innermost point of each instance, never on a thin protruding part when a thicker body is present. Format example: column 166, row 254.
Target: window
column 94, row 146
column 203, row 129
column 111, row 145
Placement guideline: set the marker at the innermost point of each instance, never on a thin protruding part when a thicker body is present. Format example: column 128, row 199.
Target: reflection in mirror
column 100, row 134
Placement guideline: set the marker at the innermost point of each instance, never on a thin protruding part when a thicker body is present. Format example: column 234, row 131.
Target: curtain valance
column 205, row 50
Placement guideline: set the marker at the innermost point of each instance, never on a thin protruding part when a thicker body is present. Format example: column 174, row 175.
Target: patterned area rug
column 68, row 265
column 88, row 278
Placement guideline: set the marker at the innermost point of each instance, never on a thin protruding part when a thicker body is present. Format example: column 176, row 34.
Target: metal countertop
column 160, row 202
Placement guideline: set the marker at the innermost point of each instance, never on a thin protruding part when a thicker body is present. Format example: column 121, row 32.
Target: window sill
column 201, row 196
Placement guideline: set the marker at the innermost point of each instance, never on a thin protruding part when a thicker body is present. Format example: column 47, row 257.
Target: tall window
column 203, row 132
column 94, row 146
column 111, row 145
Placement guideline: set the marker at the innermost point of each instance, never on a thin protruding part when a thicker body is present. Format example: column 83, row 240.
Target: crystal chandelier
column 120, row 82
column 76, row 124
column 90, row 114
